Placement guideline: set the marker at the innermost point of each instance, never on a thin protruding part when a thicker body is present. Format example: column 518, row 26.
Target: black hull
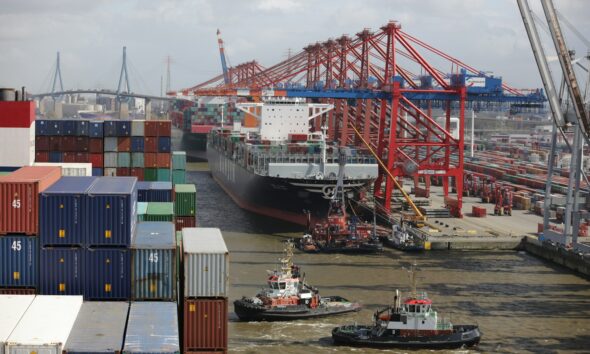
column 357, row 249
column 361, row 336
column 280, row 198
column 389, row 243
column 247, row 311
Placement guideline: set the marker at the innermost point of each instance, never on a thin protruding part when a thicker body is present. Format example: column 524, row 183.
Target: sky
column 90, row 34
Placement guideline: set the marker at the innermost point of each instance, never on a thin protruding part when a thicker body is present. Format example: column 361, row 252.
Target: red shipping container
column 205, row 324
column 205, row 352
column 81, row 143
column 17, row 291
column 55, row 143
column 137, row 172
column 185, row 221
column 123, row 171
column 163, row 160
column 41, row 143
column 69, row 157
column 81, row 157
column 96, row 145
column 164, row 128
column 68, row 144
column 150, row 160
column 41, row 156
column 17, row 114
column 150, row 128
column 97, row 160
column 19, row 197
column 150, row 144
column 123, row 144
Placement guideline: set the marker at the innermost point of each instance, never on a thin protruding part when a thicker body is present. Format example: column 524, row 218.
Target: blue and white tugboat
column 410, row 323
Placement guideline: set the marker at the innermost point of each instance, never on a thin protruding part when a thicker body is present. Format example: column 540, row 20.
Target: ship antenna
column 287, row 261
column 413, row 279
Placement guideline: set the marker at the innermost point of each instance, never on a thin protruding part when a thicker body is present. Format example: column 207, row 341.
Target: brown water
column 522, row 304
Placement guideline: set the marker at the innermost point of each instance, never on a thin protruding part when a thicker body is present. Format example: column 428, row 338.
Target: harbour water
column 521, row 303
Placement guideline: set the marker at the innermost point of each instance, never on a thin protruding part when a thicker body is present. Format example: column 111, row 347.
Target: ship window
column 412, row 308
column 405, row 319
column 282, row 285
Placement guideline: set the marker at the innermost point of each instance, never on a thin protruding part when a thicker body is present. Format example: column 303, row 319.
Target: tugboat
column 289, row 297
column 403, row 239
column 411, row 324
column 339, row 233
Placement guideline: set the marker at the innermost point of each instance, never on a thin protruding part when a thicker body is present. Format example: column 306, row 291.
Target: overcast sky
column 487, row 34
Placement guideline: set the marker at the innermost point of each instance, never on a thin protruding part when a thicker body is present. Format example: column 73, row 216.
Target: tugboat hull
column 368, row 336
column 248, row 311
column 357, row 248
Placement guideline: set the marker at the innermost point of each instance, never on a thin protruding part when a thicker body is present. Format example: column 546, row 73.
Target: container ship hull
column 282, row 198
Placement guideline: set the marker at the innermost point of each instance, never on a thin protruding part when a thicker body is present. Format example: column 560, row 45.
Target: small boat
column 402, row 239
column 411, row 324
column 289, row 297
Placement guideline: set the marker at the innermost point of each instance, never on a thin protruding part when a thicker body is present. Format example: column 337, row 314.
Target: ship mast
column 287, row 261
column 412, row 272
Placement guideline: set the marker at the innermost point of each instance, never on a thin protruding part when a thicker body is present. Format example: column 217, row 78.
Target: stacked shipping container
column 205, row 288
column 152, row 328
column 178, row 167
column 114, row 147
column 185, row 205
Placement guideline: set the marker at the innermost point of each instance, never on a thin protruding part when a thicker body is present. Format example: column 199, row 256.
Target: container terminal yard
column 375, row 166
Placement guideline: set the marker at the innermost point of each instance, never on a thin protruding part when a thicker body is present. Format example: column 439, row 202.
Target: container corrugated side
column 63, row 215
column 19, row 197
column 205, row 324
column 19, row 261
column 206, row 263
column 137, row 127
column 13, row 308
column 152, row 328
column 185, row 202
column 99, row 328
column 107, row 274
column 60, row 271
column 158, row 211
column 45, row 326
column 160, row 192
column 112, row 205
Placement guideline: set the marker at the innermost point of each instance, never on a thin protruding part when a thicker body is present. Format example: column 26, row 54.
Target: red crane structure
column 382, row 84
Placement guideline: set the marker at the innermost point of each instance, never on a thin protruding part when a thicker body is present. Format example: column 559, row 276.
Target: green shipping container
column 124, row 159
column 150, row 174
column 178, row 160
column 137, row 159
column 163, row 175
column 141, row 210
column 159, row 211
column 178, row 176
column 185, row 203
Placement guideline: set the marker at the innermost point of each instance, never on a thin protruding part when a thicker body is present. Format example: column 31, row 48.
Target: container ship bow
column 279, row 168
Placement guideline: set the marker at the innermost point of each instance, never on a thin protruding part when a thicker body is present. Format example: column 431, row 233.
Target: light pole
column 472, row 130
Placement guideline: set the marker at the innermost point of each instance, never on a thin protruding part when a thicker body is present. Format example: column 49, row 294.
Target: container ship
column 280, row 168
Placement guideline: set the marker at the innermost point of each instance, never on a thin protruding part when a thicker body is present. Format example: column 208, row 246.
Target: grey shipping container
column 206, row 263
column 107, row 274
column 110, row 144
column 112, row 205
column 19, row 261
column 62, row 216
column 152, row 328
column 99, row 328
column 60, row 271
column 137, row 127
column 153, row 265
column 110, row 159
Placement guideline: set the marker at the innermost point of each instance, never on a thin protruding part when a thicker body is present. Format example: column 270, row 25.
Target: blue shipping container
column 123, row 127
column 41, row 127
column 152, row 328
column 95, row 129
column 19, row 259
column 97, row 171
column 55, row 156
column 62, row 216
column 153, row 258
column 110, row 128
column 82, row 128
column 164, row 144
column 107, row 274
column 112, row 205
column 69, row 127
column 142, row 190
column 137, row 144
column 54, row 127
column 160, row 192
column 60, row 271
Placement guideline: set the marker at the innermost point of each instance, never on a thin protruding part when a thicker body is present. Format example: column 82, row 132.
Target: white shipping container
column 12, row 308
column 46, row 325
column 137, row 127
column 206, row 262
column 70, row 169
column 22, row 146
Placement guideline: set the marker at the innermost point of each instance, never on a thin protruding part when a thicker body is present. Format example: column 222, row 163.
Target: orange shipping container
column 150, row 160
column 19, row 198
column 163, row 160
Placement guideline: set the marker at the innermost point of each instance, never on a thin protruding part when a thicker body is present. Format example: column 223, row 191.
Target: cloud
column 281, row 5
